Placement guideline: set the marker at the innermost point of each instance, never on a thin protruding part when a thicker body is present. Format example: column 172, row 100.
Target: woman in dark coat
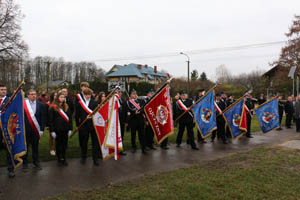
column 60, row 124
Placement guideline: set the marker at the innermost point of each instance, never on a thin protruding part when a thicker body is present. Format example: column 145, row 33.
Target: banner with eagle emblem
column 12, row 124
column 235, row 116
column 205, row 114
column 267, row 115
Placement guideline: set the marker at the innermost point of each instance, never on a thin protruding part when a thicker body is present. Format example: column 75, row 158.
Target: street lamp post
column 188, row 70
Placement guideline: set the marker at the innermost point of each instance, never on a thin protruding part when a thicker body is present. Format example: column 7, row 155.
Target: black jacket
column 81, row 114
column 289, row 108
column 40, row 115
column 123, row 111
column 57, row 123
column 132, row 109
column 188, row 116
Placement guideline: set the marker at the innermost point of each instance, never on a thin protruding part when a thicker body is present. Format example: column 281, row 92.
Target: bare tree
column 11, row 43
column 223, row 74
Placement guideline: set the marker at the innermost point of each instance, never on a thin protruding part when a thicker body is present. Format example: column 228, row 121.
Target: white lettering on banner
column 154, row 120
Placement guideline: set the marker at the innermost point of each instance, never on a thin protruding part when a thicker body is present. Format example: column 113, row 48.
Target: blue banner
column 234, row 116
column 205, row 114
column 12, row 124
column 267, row 115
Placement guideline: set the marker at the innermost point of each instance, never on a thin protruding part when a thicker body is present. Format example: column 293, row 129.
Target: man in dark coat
column 136, row 120
column 32, row 133
column 83, row 108
column 289, row 111
column 280, row 110
column 186, row 120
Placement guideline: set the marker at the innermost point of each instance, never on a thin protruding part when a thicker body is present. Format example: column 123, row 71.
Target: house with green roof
column 135, row 73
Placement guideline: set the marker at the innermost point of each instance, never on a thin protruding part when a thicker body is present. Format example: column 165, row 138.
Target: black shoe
column 11, row 174
column 249, row 136
column 152, row 147
column 59, row 163
column 37, row 166
column 83, row 161
column 133, row 150
column 65, row 163
column 25, row 166
column 188, row 142
column 225, row 142
column 122, row 153
column 279, row 129
column 96, row 162
column 165, row 148
column 144, row 152
column 195, row 148
column 212, row 140
column 178, row 145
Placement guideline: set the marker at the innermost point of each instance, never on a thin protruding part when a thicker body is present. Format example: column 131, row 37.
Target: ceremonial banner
column 106, row 120
column 159, row 114
column 113, row 137
column 13, row 128
column 267, row 115
column 205, row 114
column 235, row 116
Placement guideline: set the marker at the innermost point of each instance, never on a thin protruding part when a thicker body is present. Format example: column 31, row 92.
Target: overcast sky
column 93, row 30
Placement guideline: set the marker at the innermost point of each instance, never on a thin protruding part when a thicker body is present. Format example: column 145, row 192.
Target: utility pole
column 48, row 75
column 188, row 70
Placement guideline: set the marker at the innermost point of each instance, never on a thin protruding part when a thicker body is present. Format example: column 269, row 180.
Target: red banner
column 159, row 114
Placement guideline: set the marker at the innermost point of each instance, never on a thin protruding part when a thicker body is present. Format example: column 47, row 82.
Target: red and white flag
column 159, row 114
column 107, row 126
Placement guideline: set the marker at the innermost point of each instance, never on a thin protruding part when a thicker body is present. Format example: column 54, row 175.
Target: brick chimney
column 139, row 67
column 155, row 69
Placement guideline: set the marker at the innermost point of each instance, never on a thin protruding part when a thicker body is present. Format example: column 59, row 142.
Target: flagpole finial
column 168, row 81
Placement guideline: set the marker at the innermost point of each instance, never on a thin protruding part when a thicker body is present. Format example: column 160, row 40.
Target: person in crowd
column 280, row 110
column 100, row 97
column 84, row 108
column 297, row 114
column 60, row 126
column 3, row 100
column 35, row 122
column 136, row 120
column 43, row 97
column 249, row 102
column 289, row 111
column 186, row 121
column 261, row 99
column 49, row 104
column 68, row 100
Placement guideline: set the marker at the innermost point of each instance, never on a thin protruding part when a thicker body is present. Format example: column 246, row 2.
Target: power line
column 194, row 52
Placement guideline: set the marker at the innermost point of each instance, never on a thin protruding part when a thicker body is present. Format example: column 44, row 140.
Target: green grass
column 263, row 173
column 73, row 150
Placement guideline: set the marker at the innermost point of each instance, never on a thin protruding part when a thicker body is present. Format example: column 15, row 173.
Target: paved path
column 53, row 180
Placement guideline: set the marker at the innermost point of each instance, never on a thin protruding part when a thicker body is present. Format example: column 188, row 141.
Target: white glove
column 53, row 134
column 41, row 133
column 69, row 133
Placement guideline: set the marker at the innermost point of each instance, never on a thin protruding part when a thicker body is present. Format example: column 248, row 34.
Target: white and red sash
column 2, row 101
column 218, row 108
column 62, row 113
column 181, row 104
column 137, row 106
column 83, row 104
column 31, row 118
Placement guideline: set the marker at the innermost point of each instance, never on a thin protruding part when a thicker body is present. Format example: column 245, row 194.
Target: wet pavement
column 54, row 180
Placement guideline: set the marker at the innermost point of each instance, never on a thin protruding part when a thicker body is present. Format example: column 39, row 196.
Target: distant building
column 56, row 84
column 135, row 73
